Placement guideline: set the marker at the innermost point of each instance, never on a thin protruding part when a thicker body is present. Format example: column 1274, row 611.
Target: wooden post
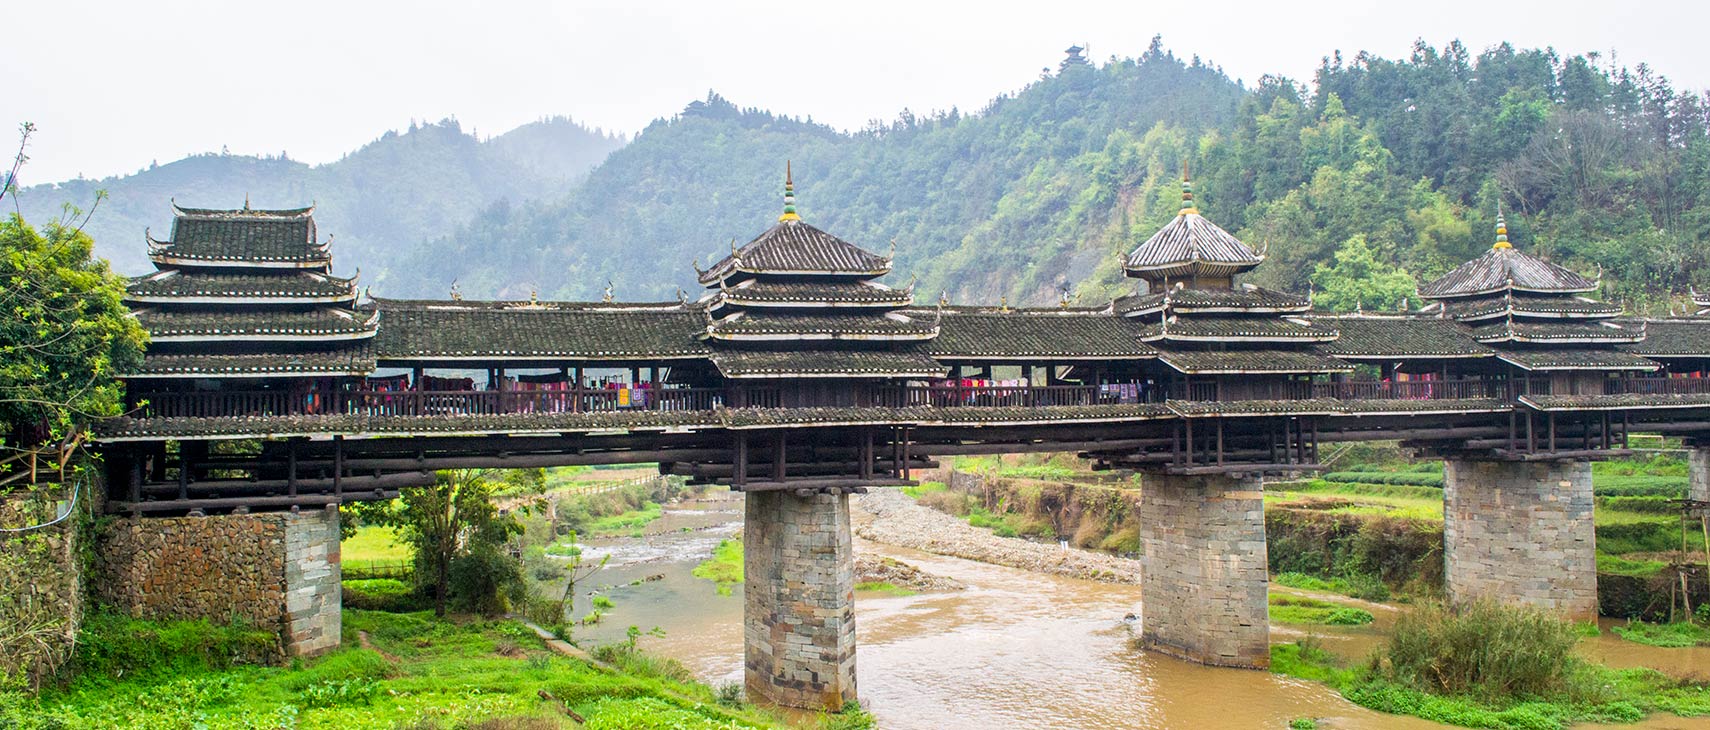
column 739, row 475
column 577, row 392
column 1220, row 441
column 866, row 450
column 1552, row 417
column 905, row 454
column 1188, row 424
column 136, row 474
column 778, row 455
column 291, row 467
column 338, row 467
column 184, row 470
column 956, row 381
column 656, row 403
column 417, row 374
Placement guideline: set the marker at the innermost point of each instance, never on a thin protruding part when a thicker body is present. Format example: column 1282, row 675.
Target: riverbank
column 888, row 516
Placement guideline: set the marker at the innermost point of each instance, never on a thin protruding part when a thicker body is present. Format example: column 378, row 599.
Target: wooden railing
column 490, row 402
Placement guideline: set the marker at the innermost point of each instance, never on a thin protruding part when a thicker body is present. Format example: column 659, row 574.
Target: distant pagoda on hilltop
column 1073, row 58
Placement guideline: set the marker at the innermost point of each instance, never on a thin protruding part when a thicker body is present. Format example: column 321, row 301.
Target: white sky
column 113, row 84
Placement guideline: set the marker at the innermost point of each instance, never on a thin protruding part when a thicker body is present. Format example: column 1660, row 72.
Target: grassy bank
column 1492, row 667
column 419, row 673
column 1290, row 609
column 724, row 567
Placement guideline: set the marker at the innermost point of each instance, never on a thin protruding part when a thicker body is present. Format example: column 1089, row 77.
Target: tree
column 1358, row 280
column 450, row 521
column 65, row 333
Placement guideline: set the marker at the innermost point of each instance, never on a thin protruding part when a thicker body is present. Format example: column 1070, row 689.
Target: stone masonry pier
column 278, row 569
column 1521, row 532
column 799, row 600
column 1203, row 577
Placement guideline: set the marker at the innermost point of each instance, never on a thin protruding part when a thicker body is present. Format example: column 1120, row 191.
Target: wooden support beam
column 308, row 500
column 819, row 484
column 338, row 465
column 1241, row 469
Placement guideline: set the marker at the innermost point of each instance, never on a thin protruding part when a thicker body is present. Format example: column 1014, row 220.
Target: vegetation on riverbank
column 1677, row 635
column 1492, row 666
column 1289, row 609
column 419, row 672
column 724, row 567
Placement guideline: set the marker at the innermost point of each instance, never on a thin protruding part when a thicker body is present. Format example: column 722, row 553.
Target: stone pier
column 1203, row 578
column 1521, row 532
column 799, row 600
column 1698, row 474
column 274, row 569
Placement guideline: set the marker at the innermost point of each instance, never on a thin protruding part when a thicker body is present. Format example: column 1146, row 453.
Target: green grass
column 1311, row 611
column 373, row 545
column 626, row 523
column 724, row 567
column 924, row 488
column 1364, row 587
column 382, row 594
column 1006, row 524
column 879, row 586
column 426, row 673
column 1617, row 565
column 1677, row 635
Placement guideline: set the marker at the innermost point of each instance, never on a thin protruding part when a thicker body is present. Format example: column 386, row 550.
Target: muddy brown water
column 1015, row 650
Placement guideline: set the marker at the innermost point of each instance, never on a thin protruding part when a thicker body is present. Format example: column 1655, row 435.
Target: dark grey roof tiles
column 415, row 330
column 1499, row 269
column 794, row 247
column 1035, row 335
column 1187, row 245
column 250, row 324
column 282, row 287
column 1396, row 338
column 242, row 237
column 826, row 363
column 1574, row 359
column 1214, row 362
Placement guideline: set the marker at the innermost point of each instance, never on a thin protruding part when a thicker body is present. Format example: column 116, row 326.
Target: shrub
column 382, row 594
column 112, row 645
column 1485, row 649
column 486, row 581
column 1409, row 478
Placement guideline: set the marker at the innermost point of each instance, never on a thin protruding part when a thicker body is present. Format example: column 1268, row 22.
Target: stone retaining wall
column 40, row 589
column 276, row 569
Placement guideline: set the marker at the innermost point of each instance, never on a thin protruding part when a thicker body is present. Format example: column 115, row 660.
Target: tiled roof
column 1499, row 269
column 1672, row 338
column 1399, row 338
column 1556, row 307
column 1629, row 401
column 1236, row 329
column 357, row 360
column 796, row 247
column 1423, row 405
column 1035, row 335
column 1190, row 244
column 1304, row 407
column 174, row 284
column 1246, row 298
column 825, row 363
column 1212, row 362
column 1574, row 359
column 253, row 236
column 249, row 324
column 1564, row 332
column 418, row 330
column 766, row 326
column 758, row 293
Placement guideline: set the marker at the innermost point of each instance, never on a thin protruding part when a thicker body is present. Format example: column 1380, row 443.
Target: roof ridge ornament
column 456, row 294
column 1501, row 230
column 696, row 265
column 1187, row 192
column 943, row 298
column 789, row 197
column 682, row 296
column 607, row 296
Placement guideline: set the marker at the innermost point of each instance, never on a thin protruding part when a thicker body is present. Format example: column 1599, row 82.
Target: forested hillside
column 380, row 202
column 1377, row 172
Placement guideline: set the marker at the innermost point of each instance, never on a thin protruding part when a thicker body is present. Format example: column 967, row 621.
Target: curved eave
column 543, row 358
column 869, row 376
column 1000, row 358
column 262, row 337
column 1634, row 367
column 216, row 214
column 217, row 374
column 820, row 336
column 1191, row 267
column 1301, row 309
column 234, row 299
column 167, row 259
column 1503, row 288
column 1534, row 314
column 715, row 276
column 1382, row 357
column 1516, row 337
column 1174, row 337
column 811, row 304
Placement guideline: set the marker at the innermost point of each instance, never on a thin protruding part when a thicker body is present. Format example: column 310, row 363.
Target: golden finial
column 533, row 295
column 789, row 195
column 944, row 298
column 456, row 294
column 1501, row 230
column 1063, row 298
column 1003, row 303
column 607, row 297
column 1187, row 192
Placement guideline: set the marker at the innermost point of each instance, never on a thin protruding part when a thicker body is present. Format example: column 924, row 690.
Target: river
column 1015, row 649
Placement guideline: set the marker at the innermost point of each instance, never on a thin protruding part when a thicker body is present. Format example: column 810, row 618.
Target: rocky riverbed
column 888, row 516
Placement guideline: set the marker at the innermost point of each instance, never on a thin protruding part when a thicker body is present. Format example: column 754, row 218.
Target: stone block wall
column 1204, row 580
column 1521, row 532
column 1698, row 474
column 799, row 600
column 275, row 569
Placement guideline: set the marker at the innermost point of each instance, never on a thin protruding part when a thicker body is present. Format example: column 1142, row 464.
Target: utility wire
column 76, row 487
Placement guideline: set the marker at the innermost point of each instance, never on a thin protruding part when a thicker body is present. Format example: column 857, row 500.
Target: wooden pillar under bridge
column 338, row 467
column 577, row 391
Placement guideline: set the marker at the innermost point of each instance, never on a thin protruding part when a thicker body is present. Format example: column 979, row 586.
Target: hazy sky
column 113, row 85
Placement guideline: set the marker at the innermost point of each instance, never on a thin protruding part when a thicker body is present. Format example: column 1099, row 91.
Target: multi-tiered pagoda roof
column 1533, row 312
column 1201, row 320
column 797, row 301
column 248, row 293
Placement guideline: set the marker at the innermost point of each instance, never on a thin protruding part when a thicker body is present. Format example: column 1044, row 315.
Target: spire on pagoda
column 789, row 196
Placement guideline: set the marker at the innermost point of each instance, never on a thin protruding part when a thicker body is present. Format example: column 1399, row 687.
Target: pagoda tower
column 802, row 310
column 1535, row 314
column 1223, row 340
column 245, row 301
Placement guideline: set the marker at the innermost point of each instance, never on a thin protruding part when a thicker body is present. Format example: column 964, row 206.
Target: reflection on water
column 1016, row 649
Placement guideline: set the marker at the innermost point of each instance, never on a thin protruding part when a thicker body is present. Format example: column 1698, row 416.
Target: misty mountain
column 381, row 203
